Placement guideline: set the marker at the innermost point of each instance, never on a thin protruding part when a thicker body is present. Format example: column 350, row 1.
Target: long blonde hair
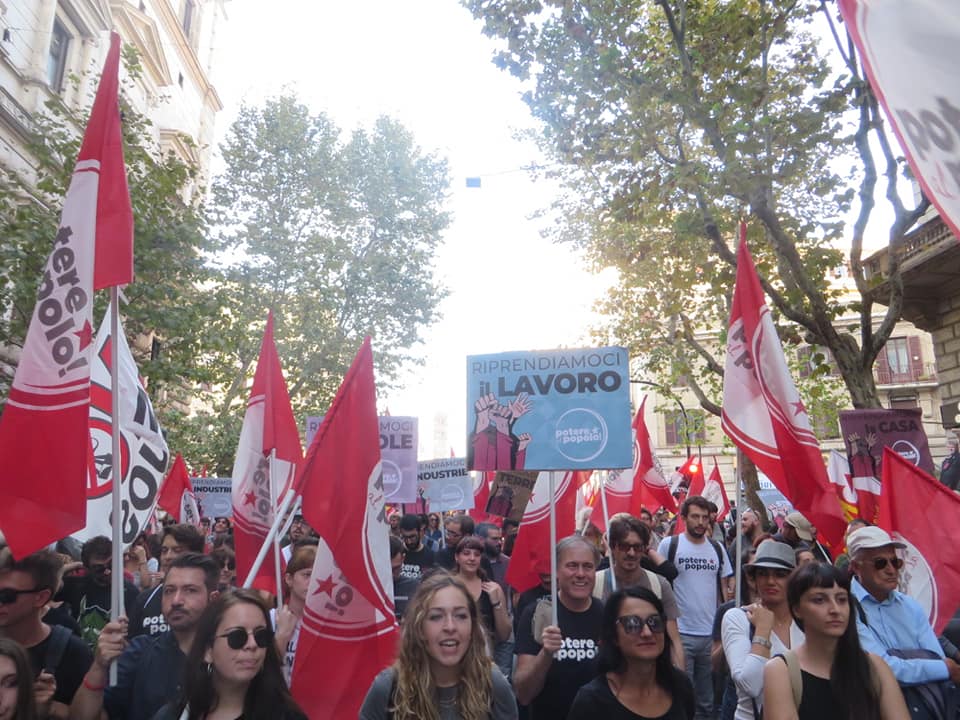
column 415, row 696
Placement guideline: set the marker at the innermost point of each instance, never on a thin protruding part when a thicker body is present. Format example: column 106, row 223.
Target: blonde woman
column 443, row 671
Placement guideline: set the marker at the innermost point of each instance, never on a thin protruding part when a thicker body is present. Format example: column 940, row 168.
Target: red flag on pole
column 650, row 487
column 176, row 495
column 931, row 571
column 349, row 630
column 45, row 486
column 268, row 426
column 481, row 496
column 712, row 489
column 762, row 411
column 838, row 470
column 531, row 551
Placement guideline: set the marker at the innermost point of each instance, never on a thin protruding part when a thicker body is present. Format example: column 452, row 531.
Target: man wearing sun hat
column 890, row 621
column 798, row 532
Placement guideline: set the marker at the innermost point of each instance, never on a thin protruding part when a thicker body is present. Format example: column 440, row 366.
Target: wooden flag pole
column 116, row 572
column 265, row 548
column 276, row 537
column 739, row 521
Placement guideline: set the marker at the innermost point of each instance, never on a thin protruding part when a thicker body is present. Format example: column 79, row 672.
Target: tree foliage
column 668, row 121
column 337, row 237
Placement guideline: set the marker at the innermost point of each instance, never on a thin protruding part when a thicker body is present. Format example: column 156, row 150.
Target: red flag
column 259, row 479
column 481, row 496
column 176, row 495
column 838, row 470
column 762, row 411
column 349, row 630
column 44, row 432
column 531, row 551
column 650, row 487
column 931, row 573
column 712, row 489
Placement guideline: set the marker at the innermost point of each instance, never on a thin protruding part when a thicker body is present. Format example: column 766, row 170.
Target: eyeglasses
column 229, row 566
column 635, row 547
column 99, row 567
column 8, row 596
column 633, row 624
column 881, row 562
column 237, row 638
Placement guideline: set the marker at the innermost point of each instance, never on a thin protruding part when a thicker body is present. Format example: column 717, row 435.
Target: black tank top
column 815, row 701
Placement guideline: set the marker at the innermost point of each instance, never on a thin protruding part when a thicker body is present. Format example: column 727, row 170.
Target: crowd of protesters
column 647, row 626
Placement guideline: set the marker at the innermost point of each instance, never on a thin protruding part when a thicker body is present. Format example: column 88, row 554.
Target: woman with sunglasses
column 839, row 681
column 433, row 535
column 17, row 699
column 443, row 671
column 637, row 681
column 227, row 561
column 487, row 594
column 763, row 628
column 233, row 670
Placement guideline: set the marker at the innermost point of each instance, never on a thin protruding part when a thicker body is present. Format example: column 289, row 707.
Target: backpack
column 672, row 554
column 604, row 580
column 56, row 646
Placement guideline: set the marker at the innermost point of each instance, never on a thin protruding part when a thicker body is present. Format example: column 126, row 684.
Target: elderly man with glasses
column 891, row 622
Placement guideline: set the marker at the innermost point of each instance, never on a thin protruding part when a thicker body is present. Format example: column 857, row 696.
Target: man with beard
column 149, row 668
column 417, row 560
column 704, row 581
column 554, row 661
column 89, row 597
column 629, row 544
column 750, row 528
column 146, row 616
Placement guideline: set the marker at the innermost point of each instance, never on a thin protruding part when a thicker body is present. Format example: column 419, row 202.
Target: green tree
column 337, row 237
column 166, row 301
column 669, row 120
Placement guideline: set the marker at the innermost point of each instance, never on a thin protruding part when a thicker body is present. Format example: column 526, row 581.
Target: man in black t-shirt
column 403, row 587
column 59, row 658
column 417, row 560
column 89, row 597
column 554, row 663
column 146, row 614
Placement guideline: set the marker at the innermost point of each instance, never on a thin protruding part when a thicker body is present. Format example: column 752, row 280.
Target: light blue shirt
column 899, row 623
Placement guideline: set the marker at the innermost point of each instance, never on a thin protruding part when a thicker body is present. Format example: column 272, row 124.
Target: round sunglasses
column 237, row 638
column 633, row 624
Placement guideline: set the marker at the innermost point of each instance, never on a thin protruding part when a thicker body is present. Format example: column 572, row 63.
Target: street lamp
column 667, row 392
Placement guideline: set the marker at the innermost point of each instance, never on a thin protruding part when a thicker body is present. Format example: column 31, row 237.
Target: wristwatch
column 762, row 642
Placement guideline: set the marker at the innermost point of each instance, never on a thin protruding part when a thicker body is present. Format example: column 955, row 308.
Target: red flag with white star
column 267, row 457
column 44, row 432
column 349, row 629
column 762, row 411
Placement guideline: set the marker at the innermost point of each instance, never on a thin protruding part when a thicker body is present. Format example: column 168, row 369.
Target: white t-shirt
column 696, row 585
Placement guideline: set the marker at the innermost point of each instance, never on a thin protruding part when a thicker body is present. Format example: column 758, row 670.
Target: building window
column 901, row 361
column 692, row 432
column 57, row 58
column 189, row 6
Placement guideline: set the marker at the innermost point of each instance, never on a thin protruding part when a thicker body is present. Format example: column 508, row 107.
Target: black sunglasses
column 8, row 596
column 633, row 624
column 881, row 562
column 237, row 637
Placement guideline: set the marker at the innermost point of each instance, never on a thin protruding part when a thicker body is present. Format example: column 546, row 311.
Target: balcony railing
column 927, row 372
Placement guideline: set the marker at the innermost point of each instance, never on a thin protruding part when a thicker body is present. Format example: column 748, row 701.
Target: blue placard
column 549, row 410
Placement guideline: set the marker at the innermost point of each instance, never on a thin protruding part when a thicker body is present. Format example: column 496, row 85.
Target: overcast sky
column 427, row 64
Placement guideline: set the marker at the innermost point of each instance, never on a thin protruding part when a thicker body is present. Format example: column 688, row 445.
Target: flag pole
column 553, row 552
column 739, row 521
column 297, row 505
column 606, row 524
column 116, row 572
column 276, row 537
column 265, row 548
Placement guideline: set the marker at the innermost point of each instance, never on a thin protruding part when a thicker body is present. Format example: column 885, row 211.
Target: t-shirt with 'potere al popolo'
column 696, row 585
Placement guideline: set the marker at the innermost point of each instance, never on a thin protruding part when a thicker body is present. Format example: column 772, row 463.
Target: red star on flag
column 249, row 499
column 85, row 334
column 325, row 586
column 799, row 407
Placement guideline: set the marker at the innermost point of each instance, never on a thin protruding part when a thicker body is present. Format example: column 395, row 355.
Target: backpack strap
column 56, row 646
column 796, row 679
column 720, row 551
column 598, row 583
column 672, row 547
column 654, row 581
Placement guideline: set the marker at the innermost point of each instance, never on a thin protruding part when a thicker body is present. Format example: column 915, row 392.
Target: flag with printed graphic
column 44, row 430
column 651, row 489
column 349, row 630
column 267, row 457
column 838, row 470
column 712, row 489
column 177, row 496
column 931, row 570
column 532, row 548
column 762, row 411
column 144, row 455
